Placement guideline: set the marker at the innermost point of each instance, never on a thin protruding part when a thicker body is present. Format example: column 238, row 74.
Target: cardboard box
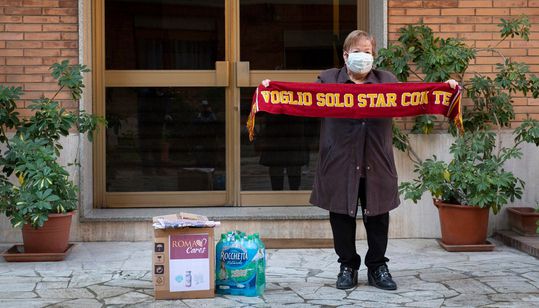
column 183, row 263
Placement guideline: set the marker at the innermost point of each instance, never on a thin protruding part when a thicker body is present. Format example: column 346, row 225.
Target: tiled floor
column 117, row 274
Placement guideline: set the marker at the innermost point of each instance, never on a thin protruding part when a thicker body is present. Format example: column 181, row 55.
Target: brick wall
column 33, row 35
column 475, row 21
column 36, row 33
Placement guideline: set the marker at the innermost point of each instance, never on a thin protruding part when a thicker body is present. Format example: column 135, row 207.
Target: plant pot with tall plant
column 36, row 191
column 474, row 179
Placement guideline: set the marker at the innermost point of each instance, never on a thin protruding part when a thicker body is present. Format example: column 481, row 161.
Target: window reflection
column 283, row 155
column 165, row 139
column 299, row 34
column 164, row 34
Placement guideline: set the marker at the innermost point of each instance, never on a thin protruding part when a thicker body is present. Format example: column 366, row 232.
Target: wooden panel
column 363, row 15
column 255, row 77
column 172, row 78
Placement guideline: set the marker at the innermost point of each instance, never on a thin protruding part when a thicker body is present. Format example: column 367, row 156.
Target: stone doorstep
column 527, row 244
column 221, row 213
column 283, row 226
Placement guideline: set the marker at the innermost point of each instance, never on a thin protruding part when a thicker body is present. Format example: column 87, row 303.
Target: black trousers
column 277, row 177
column 344, row 236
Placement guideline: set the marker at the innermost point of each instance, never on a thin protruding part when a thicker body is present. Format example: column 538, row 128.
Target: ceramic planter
column 523, row 220
column 462, row 225
column 53, row 237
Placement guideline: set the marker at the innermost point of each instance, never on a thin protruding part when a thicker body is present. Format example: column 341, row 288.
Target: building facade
column 174, row 78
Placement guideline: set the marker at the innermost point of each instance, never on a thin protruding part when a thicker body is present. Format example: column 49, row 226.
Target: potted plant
column 36, row 192
column 474, row 180
column 524, row 220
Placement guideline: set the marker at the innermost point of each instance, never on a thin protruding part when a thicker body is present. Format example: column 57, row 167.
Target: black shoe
column 347, row 278
column 381, row 278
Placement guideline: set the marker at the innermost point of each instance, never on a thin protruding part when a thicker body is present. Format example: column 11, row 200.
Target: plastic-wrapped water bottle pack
column 240, row 267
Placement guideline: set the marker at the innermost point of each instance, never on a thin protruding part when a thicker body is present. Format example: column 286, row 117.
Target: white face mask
column 359, row 62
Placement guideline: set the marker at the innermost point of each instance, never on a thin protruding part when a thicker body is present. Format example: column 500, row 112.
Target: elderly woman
column 356, row 165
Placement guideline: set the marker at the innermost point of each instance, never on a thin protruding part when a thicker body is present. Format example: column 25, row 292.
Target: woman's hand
column 452, row 83
column 266, row 82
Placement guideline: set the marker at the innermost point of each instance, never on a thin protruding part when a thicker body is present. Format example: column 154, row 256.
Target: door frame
column 232, row 74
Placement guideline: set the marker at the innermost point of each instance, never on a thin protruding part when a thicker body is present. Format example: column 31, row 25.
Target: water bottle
column 261, row 265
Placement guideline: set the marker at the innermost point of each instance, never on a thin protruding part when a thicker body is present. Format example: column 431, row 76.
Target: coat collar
column 344, row 78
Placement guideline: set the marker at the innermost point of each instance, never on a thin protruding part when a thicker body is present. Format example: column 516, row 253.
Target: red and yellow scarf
column 327, row 100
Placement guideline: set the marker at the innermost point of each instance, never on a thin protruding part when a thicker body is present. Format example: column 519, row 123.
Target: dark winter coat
column 351, row 148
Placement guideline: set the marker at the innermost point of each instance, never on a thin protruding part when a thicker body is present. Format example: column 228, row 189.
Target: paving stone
column 310, row 291
column 427, row 276
column 129, row 274
column 65, row 293
column 22, row 269
column 469, row 285
column 330, row 302
column 508, row 284
column 130, row 283
column 16, row 294
column 145, row 263
column 511, row 297
column 422, row 295
column 28, row 303
column 412, row 284
column 372, row 304
column 17, row 287
column 244, row 300
column 88, row 278
column 210, row 302
column 160, row 304
column 378, row 296
column 102, row 266
column 79, row 303
column 55, row 279
column 304, row 305
column 19, row 279
column 270, row 286
column 127, row 298
column 147, row 291
column 440, row 274
column 468, row 300
column 283, row 279
column 534, row 275
column 321, row 281
column 107, row 291
column 428, row 303
column 512, row 305
column 52, row 285
column 59, row 273
column 401, row 273
column 282, row 297
column 291, row 272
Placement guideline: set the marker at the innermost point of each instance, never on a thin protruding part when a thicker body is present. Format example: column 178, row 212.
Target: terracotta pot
column 523, row 220
column 462, row 225
column 53, row 237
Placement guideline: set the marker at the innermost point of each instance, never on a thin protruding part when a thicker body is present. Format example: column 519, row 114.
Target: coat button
column 351, row 212
column 357, row 167
column 368, row 168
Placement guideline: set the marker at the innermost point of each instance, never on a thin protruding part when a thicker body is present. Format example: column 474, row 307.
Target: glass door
column 285, row 41
column 175, row 80
column 165, row 81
